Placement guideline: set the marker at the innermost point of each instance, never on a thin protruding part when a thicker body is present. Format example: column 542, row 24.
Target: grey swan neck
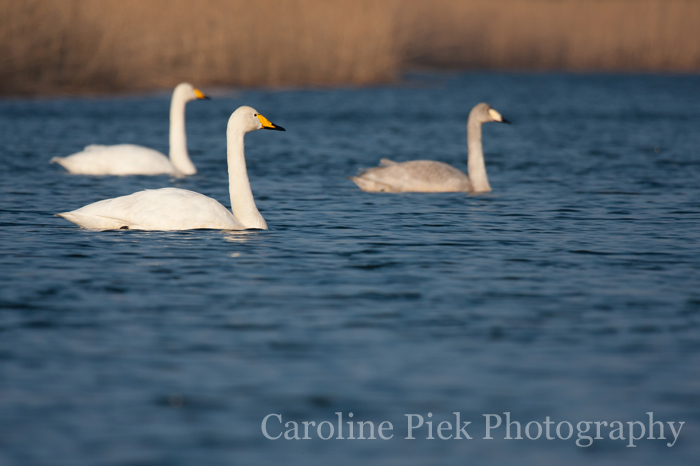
column 242, row 202
column 475, row 164
column 179, row 156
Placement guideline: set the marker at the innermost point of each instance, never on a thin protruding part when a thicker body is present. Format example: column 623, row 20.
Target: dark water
column 572, row 291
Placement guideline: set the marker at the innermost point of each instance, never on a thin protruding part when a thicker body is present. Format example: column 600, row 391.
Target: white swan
column 130, row 159
column 180, row 209
column 427, row 176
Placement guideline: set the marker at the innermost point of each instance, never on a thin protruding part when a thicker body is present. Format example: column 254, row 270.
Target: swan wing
column 122, row 159
column 413, row 176
column 96, row 148
column 164, row 209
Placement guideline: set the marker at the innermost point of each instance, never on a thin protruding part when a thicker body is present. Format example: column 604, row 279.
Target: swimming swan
column 180, row 209
column 130, row 159
column 427, row 176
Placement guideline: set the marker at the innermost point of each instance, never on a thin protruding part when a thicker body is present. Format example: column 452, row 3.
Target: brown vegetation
column 652, row 35
column 49, row 46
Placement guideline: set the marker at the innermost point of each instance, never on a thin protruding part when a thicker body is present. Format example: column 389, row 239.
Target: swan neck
column 242, row 202
column 476, row 167
column 178, row 138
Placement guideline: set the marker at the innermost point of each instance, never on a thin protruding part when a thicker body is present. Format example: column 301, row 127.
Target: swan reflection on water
column 238, row 236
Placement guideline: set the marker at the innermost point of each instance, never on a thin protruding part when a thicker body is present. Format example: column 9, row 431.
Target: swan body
column 418, row 176
column 428, row 176
column 170, row 209
column 121, row 159
column 151, row 210
column 130, row 159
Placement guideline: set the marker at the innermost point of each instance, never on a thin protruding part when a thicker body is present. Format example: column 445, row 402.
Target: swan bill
column 200, row 95
column 267, row 124
column 497, row 117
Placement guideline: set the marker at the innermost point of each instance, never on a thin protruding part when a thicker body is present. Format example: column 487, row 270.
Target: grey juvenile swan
column 427, row 176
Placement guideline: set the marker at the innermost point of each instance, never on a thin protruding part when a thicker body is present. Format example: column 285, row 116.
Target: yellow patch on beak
column 267, row 124
column 200, row 94
column 495, row 116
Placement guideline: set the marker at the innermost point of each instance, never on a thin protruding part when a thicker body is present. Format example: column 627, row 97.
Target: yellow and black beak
column 200, row 95
column 267, row 124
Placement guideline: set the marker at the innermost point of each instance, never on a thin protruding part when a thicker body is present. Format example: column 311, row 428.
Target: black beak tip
column 508, row 122
column 279, row 128
column 206, row 97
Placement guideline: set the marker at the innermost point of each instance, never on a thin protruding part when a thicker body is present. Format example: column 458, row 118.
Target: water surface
column 571, row 291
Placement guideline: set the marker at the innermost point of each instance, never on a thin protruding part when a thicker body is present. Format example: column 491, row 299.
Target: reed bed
column 57, row 46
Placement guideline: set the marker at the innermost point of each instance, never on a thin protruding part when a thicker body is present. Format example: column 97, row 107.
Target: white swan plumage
column 428, row 176
column 179, row 209
column 130, row 159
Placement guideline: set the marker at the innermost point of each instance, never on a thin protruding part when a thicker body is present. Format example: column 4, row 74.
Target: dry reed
column 49, row 46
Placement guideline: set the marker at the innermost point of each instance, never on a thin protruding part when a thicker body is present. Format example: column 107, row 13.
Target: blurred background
column 87, row 46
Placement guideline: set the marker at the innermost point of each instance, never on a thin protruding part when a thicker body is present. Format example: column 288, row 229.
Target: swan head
column 248, row 119
column 188, row 93
column 483, row 113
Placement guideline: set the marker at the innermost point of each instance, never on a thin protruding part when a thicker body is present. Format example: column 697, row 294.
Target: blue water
column 571, row 291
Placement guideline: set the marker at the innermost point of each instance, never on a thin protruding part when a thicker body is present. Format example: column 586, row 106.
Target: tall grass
column 557, row 34
column 49, row 46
